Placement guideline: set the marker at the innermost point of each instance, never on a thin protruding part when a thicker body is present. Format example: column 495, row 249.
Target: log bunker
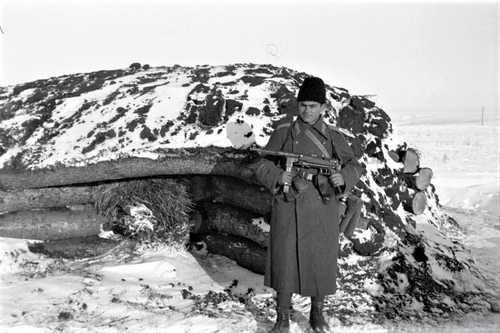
column 160, row 153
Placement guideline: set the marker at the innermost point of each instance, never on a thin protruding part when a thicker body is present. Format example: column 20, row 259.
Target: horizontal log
column 245, row 253
column 206, row 161
column 234, row 192
column 51, row 224
column 225, row 190
column 237, row 222
column 74, row 248
column 231, row 191
column 28, row 199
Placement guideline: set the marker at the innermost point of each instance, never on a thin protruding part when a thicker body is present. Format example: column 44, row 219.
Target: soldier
column 304, row 236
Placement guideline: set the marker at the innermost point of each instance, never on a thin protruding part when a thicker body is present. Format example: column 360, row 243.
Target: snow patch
column 155, row 271
column 364, row 235
column 168, row 104
column 9, row 154
column 262, row 224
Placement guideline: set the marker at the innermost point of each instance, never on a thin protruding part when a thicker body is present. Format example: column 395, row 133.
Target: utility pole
column 482, row 116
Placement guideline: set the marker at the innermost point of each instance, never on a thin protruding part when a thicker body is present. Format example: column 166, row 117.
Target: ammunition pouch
column 325, row 189
column 299, row 185
column 301, row 181
column 303, row 178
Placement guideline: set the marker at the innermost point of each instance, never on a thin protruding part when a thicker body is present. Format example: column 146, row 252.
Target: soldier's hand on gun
column 337, row 179
column 286, row 178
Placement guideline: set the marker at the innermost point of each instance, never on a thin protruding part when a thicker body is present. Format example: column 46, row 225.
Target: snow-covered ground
column 157, row 293
column 175, row 291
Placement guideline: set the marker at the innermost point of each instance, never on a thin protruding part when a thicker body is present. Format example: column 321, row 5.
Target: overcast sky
column 420, row 57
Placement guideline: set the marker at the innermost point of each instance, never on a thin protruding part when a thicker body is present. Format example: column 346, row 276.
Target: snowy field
column 465, row 160
column 156, row 292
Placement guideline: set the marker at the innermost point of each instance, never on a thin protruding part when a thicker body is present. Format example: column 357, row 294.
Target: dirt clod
column 65, row 315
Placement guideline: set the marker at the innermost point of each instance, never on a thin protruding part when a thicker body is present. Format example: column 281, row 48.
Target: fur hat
column 312, row 89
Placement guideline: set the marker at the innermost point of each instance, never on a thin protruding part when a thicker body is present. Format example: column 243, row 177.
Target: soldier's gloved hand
column 286, row 178
column 337, row 179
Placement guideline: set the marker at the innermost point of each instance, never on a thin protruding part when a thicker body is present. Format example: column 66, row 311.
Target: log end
column 411, row 161
column 419, row 203
column 423, row 179
column 394, row 156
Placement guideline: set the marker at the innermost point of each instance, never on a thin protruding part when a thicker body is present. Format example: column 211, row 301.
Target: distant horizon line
column 442, row 121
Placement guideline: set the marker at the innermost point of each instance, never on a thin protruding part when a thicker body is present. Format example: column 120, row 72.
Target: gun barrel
column 275, row 153
column 309, row 161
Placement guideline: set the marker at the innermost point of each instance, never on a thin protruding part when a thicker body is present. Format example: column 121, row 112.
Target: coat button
column 296, row 142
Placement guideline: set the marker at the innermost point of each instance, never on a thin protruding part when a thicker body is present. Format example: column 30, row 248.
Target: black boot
column 283, row 304
column 316, row 319
column 282, row 324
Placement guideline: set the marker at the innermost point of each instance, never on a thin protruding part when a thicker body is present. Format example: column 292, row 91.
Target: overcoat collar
column 319, row 127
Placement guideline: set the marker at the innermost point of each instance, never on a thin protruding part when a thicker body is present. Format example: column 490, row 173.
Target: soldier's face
column 310, row 112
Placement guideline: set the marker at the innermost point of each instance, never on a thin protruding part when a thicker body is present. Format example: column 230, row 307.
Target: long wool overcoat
column 304, row 236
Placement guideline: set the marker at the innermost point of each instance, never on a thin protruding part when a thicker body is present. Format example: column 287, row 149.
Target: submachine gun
column 321, row 166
